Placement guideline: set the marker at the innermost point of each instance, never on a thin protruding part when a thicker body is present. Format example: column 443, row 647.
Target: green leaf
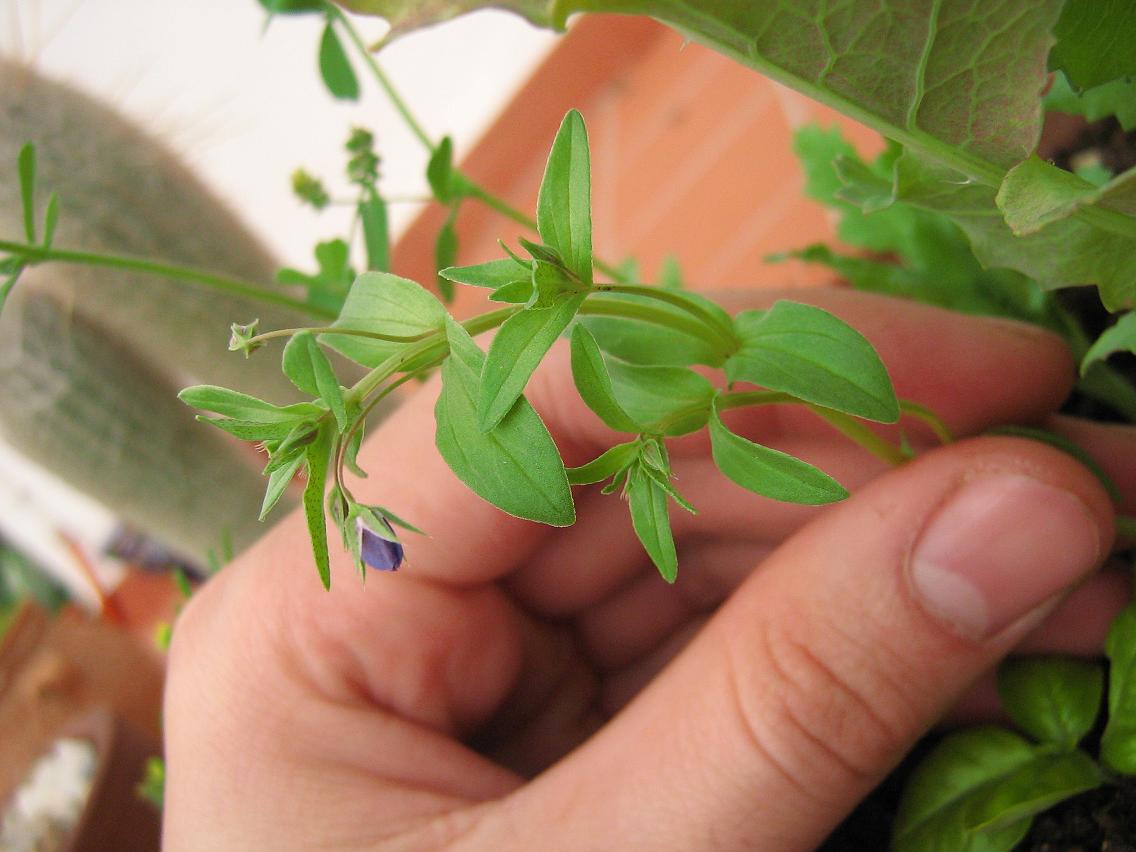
column 310, row 371
column 670, row 400
column 976, row 791
column 250, row 430
column 679, row 342
column 670, row 274
column 383, row 304
column 292, row 7
column 1072, row 250
column 335, row 68
column 27, row 168
column 1094, row 41
column 1115, row 98
column 278, row 481
column 1121, row 337
column 318, row 454
column 50, row 220
column 517, row 350
column 376, row 231
column 515, row 466
column 1118, row 744
column 807, row 352
column 240, row 406
column 445, row 252
column 769, row 472
column 7, row 286
column 446, row 183
column 594, row 384
column 516, row 293
column 1053, row 699
column 611, row 462
column 649, row 517
column 494, row 274
column 563, row 207
column 1036, row 193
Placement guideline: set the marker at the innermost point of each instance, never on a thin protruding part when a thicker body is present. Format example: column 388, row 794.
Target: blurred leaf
column 1053, row 699
column 1118, row 744
column 611, row 462
column 445, row 253
column 1095, row 41
column 27, row 168
column 335, row 67
column 376, row 231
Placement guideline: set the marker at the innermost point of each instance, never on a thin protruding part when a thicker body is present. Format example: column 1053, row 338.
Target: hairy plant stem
column 34, row 255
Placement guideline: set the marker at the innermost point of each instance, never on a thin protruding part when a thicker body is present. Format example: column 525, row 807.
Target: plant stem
column 855, row 430
column 34, row 255
column 380, row 76
column 745, row 399
column 922, row 412
column 724, row 332
column 597, row 305
column 351, row 332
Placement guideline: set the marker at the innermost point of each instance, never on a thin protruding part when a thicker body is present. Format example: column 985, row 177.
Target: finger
column 812, row 681
column 1110, row 445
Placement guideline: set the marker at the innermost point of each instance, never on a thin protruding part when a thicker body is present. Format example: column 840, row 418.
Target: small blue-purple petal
column 376, row 551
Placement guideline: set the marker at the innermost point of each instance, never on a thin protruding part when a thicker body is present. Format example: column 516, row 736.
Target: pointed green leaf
column 563, row 208
column 649, row 518
column 670, row 275
column 1053, row 699
column 445, row 183
column 670, row 400
column 335, row 67
column 1118, row 744
column 310, row 371
column 667, row 336
column 517, row 350
column 606, row 465
column 278, row 482
column 769, row 472
column 50, row 220
column 515, row 466
column 594, row 384
column 951, row 792
column 250, row 430
column 407, row 15
column 1121, row 337
column 376, row 232
column 6, row 287
column 515, row 293
column 27, row 169
column 807, row 352
column 494, row 274
column 445, row 252
column 318, row 455
column 385, row 304
column 240, row 406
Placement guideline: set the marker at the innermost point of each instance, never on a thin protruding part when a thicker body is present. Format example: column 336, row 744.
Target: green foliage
column 376, row 231
column 27, row 169
column 328, row 287
column 563, row 207
column 317, row 455
column 769, row 472
column 1115, row 98
column 594, row 383
column 807, row 352
column 515, row 465
column 1094, row 41
column 310, row 371
column 1121, row 337
column 647, row 499
column 335, row 68
column 309, row 189
column 1118, row 743
column 152, row 787
column 665, row 400
column 1053, row 699
column 977, row 791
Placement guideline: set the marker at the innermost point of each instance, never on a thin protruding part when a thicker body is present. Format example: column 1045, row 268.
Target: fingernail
column 1000, row 547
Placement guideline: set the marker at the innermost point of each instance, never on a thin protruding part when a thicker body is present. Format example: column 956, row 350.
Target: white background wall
column 245, row 106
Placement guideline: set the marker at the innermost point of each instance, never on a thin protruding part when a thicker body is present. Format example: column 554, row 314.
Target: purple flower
column 378, row 545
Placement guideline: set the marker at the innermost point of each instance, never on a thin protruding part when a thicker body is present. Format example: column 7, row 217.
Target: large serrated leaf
column 515, row 465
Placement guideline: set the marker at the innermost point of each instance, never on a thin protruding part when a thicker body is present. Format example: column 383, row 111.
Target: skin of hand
column 517, row 686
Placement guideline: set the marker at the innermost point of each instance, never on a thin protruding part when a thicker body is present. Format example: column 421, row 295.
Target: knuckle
column 812, row 720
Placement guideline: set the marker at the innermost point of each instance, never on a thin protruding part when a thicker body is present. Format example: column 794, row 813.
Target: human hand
column 518, row 686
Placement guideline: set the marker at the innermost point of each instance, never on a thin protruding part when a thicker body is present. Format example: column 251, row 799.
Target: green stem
column 351, row 332
column 34, row 255
column 856, row 431
column 725, row 333
column 922, row 412
column 380, row 76
column 597, row 305
column 745, row 399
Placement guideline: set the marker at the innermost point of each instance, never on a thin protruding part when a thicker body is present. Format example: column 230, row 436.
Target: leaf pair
column 11, row 268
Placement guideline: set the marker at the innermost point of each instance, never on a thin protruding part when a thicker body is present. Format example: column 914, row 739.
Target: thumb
column 825, row 667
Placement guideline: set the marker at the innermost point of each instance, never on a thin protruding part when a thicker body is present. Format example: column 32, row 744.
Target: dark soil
column 1096, row 821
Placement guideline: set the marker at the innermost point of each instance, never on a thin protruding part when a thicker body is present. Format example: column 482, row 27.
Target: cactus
column 90, row 359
